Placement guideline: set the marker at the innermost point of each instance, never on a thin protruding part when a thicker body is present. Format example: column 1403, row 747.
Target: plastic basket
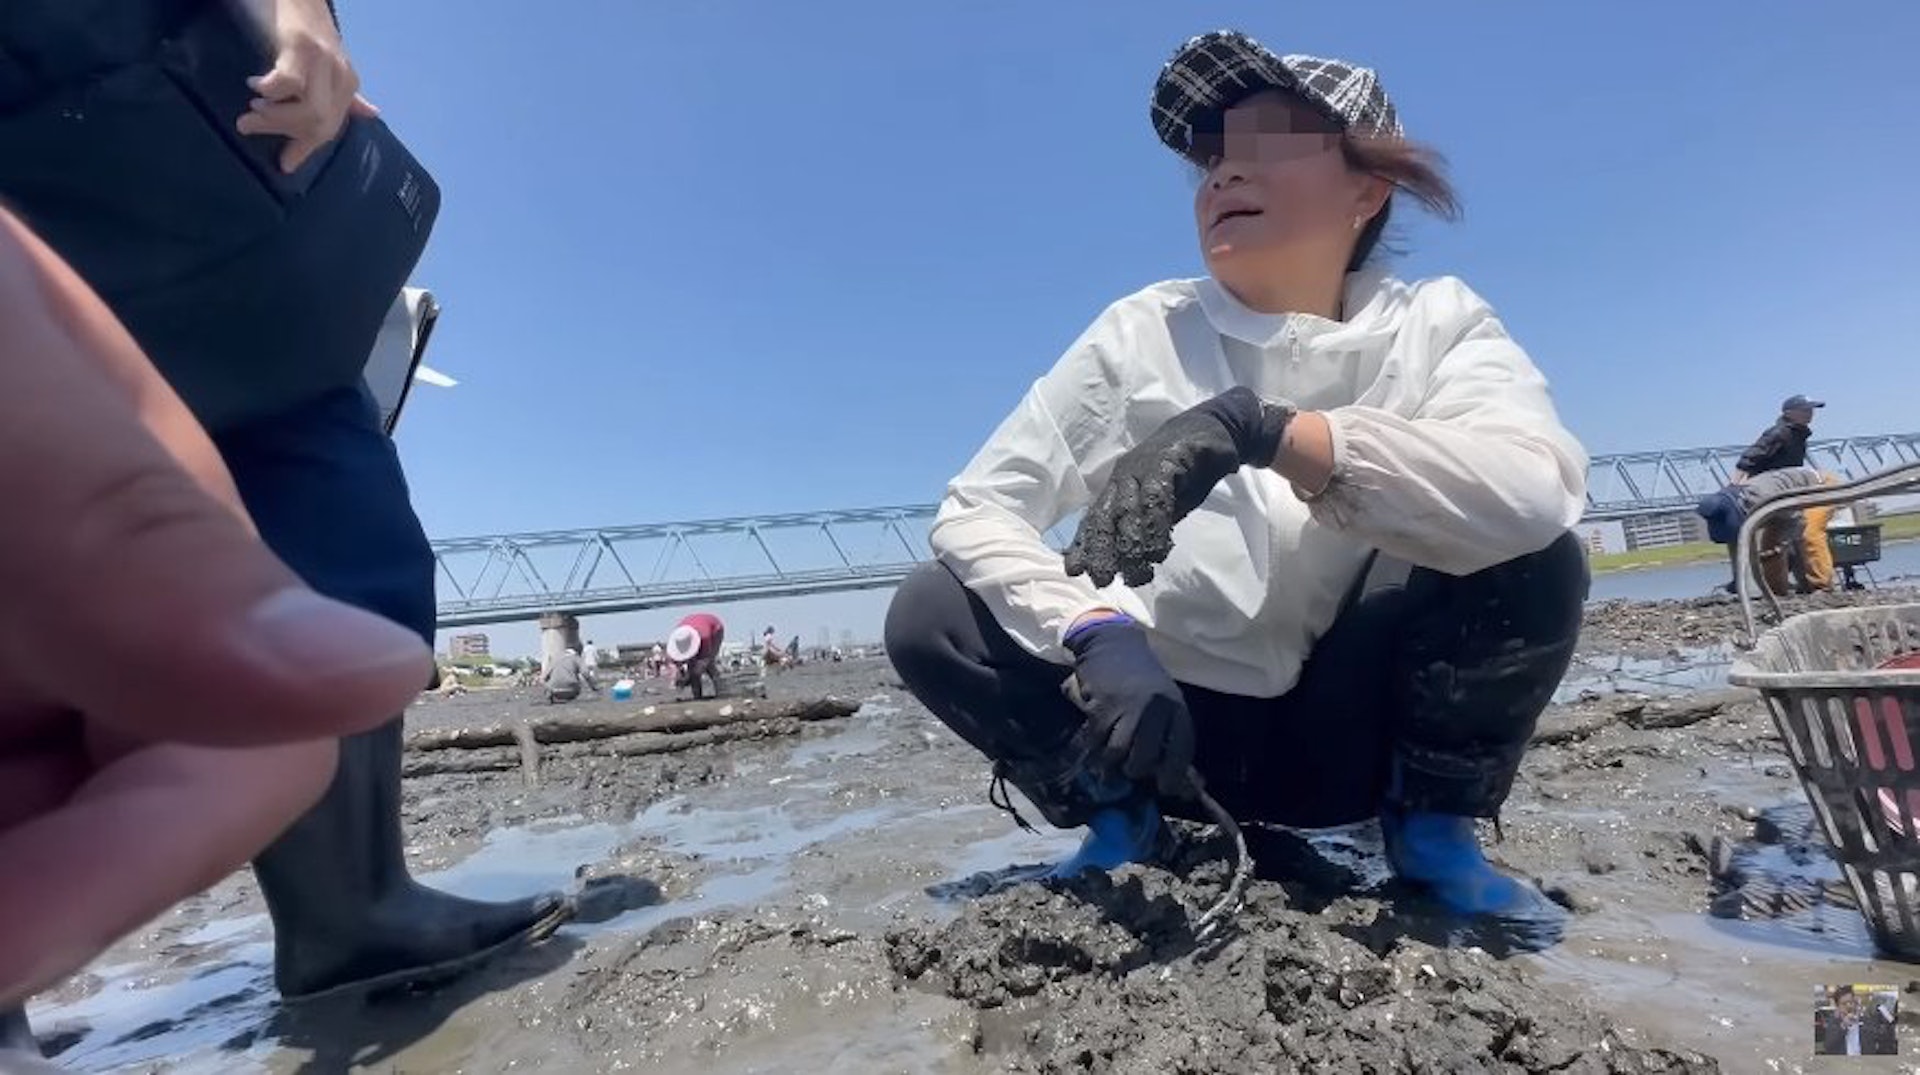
column 1853, row 732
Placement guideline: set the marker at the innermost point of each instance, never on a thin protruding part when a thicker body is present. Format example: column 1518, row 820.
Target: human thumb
column 136, row 591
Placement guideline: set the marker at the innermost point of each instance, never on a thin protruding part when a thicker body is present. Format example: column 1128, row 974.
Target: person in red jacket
column 694, row 649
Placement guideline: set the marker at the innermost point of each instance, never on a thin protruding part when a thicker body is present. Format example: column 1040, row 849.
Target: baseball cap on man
column 1801, row 403
column 1214, row 70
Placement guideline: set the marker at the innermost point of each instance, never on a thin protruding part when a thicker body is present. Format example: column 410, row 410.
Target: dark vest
column 251, row 291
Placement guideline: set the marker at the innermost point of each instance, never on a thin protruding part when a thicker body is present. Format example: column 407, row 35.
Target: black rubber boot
column 347, row 915
column 16, row 1033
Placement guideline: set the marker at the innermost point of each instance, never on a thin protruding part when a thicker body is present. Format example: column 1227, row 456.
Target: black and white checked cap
column 1213, row 71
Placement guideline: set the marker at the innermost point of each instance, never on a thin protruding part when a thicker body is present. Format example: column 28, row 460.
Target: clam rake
column 1236, row 890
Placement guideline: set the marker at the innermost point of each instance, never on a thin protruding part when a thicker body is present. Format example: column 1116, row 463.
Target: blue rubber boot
column 1442, row 852
column 1116, row 836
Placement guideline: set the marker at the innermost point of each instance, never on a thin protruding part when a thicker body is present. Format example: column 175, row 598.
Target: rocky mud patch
column 1103, row 975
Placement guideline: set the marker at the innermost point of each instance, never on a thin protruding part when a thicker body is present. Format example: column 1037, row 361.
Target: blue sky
column 718, row 258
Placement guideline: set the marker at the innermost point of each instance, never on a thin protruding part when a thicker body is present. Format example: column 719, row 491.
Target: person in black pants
column 1422, row 695
column 1323, row 561
column 251, row 223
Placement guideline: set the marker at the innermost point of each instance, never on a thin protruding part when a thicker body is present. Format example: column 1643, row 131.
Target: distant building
column 474, row 645
column 1663, row 530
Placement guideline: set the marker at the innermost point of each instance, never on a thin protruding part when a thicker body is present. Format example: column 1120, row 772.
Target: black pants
column 1424, row 692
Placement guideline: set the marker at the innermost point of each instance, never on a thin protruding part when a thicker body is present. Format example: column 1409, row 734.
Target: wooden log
column 502, row 759
column 683, row 717
column 529, row 754
column 667, row 742
column 476, row 761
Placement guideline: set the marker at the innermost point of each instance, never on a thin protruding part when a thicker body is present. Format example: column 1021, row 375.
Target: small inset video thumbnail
column 1855, row 1020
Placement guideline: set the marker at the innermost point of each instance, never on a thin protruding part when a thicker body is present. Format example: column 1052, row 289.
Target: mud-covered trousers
column 1423, row 694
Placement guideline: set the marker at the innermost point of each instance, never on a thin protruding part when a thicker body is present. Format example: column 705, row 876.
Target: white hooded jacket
column 1448, row 454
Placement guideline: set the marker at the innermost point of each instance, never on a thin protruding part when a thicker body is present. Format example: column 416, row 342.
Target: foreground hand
column 1137, row 719
column 312, row 88
column 1158, row 482
column 169, row 691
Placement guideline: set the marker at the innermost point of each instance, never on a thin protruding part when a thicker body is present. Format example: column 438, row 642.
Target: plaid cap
column 1212, row 71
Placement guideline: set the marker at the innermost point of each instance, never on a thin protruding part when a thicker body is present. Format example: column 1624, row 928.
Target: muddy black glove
column 1159, row 481
column 1137, row 719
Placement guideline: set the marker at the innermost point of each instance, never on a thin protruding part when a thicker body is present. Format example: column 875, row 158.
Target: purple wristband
column 1082, row 628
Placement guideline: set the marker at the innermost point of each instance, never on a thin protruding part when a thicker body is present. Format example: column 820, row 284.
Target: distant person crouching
column 1782, row 543
column 566, row 677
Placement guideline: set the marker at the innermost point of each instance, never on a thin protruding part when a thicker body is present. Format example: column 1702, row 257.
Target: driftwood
column 475, row 761
column 498, row 748
column 1559, row 726
column 683, row 717
column 1673, row 716
column 1554, row 730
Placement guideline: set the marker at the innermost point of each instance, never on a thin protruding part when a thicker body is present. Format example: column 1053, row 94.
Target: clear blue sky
column 743, row 257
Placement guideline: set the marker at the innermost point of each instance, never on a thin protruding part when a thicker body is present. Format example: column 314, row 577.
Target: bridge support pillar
column 559, row 631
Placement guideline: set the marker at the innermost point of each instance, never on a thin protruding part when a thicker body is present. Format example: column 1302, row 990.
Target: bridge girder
column 508, row 577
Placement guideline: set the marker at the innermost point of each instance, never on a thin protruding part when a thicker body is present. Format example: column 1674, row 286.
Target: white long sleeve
column 1448, row 454
column 1038, row 468
column 1480, row 473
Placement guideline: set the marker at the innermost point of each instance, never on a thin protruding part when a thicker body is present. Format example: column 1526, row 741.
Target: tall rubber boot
column 19, row 1051
column 16, row 1034
column 347, row 916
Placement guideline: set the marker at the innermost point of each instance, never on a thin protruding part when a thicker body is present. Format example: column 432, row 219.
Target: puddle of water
column 1691, row 669
column 224, row 929
column 852, row 743
column 512, row 862
column 716, row 893
column 1014, row 847
column 751, row 833
column 131, row 1020
column 140, row 1015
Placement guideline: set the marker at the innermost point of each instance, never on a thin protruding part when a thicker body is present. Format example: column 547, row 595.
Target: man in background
column 566, row 678
column 1783, row 444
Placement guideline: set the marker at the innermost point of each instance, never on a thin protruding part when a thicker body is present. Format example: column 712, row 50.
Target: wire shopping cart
column 1843, row 687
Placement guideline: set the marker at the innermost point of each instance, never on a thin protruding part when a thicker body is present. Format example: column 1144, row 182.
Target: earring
column 1359, row 222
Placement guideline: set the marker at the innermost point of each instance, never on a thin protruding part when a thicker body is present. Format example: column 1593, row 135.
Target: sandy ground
column 761, row 905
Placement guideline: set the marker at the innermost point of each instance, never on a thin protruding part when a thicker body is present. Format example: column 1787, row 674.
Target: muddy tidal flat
column 753, row 898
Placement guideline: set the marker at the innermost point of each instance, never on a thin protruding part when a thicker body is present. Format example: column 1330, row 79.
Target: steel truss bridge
column 510, row 577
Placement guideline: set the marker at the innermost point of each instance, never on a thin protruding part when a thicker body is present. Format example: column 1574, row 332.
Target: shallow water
column 1899, row 560
column 1681, row 671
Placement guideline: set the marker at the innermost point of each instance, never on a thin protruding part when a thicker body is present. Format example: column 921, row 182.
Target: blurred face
column 1803, row 416
column 1276, row 193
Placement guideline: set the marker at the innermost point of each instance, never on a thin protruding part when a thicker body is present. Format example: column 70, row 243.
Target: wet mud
column 1104, row 975
column 763, row 905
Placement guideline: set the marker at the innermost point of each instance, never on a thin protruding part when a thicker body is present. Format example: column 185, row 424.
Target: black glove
column 1159, row 481
column 1137, row 719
